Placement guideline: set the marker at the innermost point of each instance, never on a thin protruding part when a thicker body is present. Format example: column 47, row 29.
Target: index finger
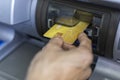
column 84, row 41
column 55, row 43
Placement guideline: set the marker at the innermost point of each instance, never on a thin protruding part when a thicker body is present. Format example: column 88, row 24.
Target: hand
column 61, row 61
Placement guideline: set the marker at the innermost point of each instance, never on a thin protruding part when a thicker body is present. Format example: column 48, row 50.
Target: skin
column 62, row 61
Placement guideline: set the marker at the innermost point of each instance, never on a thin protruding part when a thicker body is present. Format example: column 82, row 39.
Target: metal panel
column 29, row 27
column 116, row 50
column 5, row 10
column 14, row 11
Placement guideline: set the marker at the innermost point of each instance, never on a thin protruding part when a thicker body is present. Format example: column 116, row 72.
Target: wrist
column 44, row 74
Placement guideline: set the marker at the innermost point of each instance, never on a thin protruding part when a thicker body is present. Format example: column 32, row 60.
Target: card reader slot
column 69, row 16
column 97, row 30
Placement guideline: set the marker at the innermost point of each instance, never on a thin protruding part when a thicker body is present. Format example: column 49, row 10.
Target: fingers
column 68, row 46
column 86, row 74
column 55, row 43
column 84, row 41
column 83, row 53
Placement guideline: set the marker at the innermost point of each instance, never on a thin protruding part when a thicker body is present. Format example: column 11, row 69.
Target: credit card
column 69, row 34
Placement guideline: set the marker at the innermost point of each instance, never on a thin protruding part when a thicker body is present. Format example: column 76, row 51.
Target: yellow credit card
column 69, row 34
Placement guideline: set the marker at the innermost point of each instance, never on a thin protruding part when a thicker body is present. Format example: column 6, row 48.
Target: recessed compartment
column 70, row 16
column 69, row 13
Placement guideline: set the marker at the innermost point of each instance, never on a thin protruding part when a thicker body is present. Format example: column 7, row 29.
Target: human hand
column 61, row 61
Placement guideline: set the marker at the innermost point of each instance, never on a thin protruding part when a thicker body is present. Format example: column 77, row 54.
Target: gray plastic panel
column 106, row 70
column 17, row 63
column 11, row 39
column 108, row 3
column 112, row 1
column 117, row 44
column 6, row 35
column 5, row 76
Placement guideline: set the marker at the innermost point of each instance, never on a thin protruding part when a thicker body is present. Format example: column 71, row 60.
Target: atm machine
column 23, row 23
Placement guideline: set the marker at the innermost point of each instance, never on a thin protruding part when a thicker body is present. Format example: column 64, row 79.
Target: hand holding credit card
column 69, row 34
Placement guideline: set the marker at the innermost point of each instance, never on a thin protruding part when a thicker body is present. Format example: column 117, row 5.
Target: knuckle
column 88, row 72
column 88, row 41
column 55, row 40
column 84, row 49
column 89, row 59
column 87, row 55
column 47, row 47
